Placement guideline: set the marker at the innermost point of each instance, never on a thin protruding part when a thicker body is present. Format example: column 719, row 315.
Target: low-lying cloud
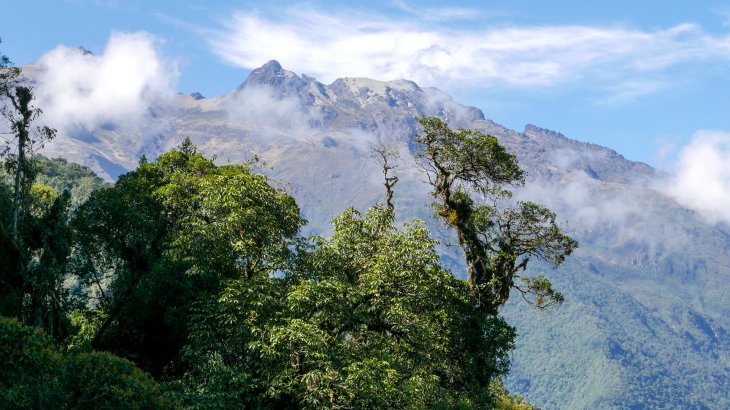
column 607, row 213
column 701, row 179
column 80, row 91
column 329, row 45
column 263, row 107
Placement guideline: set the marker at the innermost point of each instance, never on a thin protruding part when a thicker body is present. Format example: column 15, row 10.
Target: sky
column 649, row 79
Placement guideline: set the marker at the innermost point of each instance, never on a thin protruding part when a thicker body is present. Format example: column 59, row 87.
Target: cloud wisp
column 329, row 46
column 80, row 91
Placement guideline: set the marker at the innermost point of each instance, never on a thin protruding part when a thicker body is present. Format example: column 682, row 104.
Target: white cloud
column 329, row 46
column 263, row 108
column 702, row 175
column 79, row 91
column 632, row 89
column 440, row 13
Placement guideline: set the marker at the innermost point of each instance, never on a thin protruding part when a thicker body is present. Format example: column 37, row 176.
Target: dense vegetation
column 61, row 175
column 187, row 284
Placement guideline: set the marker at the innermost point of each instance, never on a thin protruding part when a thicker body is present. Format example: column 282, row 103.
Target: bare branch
column 386, row 155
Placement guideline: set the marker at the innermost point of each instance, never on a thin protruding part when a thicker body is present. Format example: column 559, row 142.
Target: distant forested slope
column 60, row 174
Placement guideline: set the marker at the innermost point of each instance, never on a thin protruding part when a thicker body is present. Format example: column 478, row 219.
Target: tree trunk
column 20, row 169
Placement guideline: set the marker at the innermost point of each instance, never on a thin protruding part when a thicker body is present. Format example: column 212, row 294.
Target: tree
column 11, row 279
column 386, row 155
column 366, row 319
column 35, row 374
column 96, row 380
column 20, row 114
column 37, row 218
column 168, row 235
column 31, row 371
column 471, row 174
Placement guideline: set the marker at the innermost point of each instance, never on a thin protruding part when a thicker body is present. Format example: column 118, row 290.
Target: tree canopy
column 169, row 234
column 369, row 319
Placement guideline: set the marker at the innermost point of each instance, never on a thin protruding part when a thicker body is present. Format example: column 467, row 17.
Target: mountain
column 646, row 318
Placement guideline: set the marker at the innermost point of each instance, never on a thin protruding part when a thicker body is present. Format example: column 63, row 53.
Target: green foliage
column 498, row 240
column 35, row 374
column 38, row 239
column 369, row 319
column 467, row 155
column 103, row 381
column 84, row 323
column 62, row 175
column 168, row 235
column 33, row 266
column 47, row 238
column 11, row 279
column 505, row 401
column 31, row 371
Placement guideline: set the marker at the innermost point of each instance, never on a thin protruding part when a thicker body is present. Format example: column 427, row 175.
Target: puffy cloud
column 702, row 175
column 329, row 46
column 79, row 91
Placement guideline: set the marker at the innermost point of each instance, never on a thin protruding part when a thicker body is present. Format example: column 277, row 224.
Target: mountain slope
column 647, row 315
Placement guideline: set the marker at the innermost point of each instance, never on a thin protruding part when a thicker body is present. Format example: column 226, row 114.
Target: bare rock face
column 647, row 309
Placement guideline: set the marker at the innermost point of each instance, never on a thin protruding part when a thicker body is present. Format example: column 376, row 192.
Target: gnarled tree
column 471, row 174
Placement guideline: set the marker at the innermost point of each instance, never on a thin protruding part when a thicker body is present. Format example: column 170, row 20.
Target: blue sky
column 641, row 79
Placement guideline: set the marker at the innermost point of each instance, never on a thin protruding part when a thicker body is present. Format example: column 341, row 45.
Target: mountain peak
column 272, row 74
column 272, row 66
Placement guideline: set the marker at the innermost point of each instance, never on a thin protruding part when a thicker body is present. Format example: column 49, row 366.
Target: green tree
column 169, row 234
column 470, row 173
column 11, row 279
column 32, row 369
column 95, row 380
column 33, row 268
column 37, row 217
column 35, row 374
column 47, row 242
column 20, row 114
column 367, row 319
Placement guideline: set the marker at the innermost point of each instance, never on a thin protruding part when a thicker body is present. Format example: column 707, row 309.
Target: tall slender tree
column 20, row 114
column 19, row 111
column 39, row 231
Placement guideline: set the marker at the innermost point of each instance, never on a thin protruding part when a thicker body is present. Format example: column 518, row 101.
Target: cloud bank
column 329, row 46
column 79, row 91
column 701, row 178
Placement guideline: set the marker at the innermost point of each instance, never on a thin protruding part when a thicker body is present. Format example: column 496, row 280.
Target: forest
column 187, row 284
